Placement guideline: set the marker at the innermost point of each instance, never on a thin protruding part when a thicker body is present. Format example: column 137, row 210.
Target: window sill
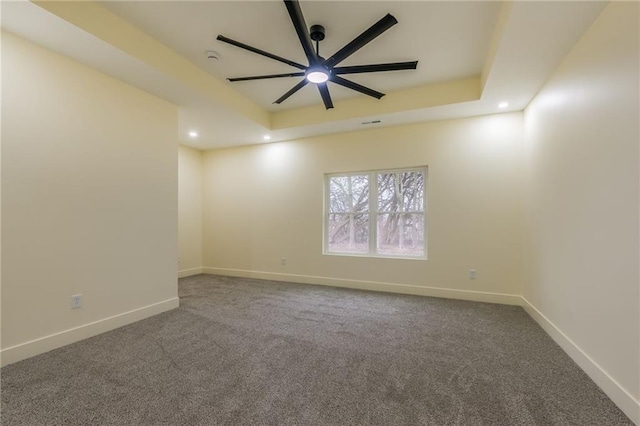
column 375, row 256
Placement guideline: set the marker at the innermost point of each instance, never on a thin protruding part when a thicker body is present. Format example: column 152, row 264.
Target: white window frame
column 373, row 214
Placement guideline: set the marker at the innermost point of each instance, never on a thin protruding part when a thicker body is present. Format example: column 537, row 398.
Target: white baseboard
column 476, row 296
column 188, row 272
column 623, row 399
column 44, row 344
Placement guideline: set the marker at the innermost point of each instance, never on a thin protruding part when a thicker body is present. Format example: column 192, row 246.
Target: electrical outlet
column 76, row 301
column 472, row 274
column 283, row 261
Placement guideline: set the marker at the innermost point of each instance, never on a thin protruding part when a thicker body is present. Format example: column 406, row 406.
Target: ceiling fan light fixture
column 321, row 70
column 317, row 75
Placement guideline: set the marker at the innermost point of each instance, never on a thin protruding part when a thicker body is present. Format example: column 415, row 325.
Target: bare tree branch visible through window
column 400, row 213
column 396, row 214
column 348, row 213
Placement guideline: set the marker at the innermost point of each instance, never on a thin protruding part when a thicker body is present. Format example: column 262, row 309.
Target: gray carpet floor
column 251, row 352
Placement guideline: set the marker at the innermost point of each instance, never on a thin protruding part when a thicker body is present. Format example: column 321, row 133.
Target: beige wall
column 89, row 201
column 582, row 228
column 189, row 211
column 264, row 202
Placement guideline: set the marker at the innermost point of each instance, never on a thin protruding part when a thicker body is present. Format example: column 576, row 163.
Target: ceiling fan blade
column 326, row 97
column 263, row 77
column 374, row 31
column 260, row 52
column 293, row 90
column 358, row 69
column 293, row 7
column 355, row 86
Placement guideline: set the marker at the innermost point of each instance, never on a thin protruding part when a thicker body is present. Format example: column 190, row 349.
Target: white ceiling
column 449, row 39
column 510, row 48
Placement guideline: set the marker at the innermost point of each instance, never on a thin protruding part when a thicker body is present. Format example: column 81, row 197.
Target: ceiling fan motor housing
column 316, row 32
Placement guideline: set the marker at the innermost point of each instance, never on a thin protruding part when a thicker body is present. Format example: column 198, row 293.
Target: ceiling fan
column 321, row 70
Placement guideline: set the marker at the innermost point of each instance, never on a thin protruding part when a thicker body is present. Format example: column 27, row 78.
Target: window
column 380, row 213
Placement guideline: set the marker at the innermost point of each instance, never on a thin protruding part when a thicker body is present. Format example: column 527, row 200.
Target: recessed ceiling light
column 193, row 134
column 266, row 137
column 503, row 105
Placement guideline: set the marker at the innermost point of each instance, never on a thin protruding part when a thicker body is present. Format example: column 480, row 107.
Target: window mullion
column 373, row 216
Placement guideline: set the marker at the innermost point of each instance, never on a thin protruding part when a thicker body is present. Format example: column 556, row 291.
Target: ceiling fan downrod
column 316, row 33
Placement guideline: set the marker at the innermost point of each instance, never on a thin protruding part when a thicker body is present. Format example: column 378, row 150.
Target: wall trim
column 476, row 296
column 188, row 272
column 53, row 341
column 623, row 399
